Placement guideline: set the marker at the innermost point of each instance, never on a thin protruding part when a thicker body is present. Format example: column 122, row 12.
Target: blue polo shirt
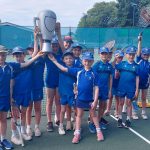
column 66, row 82
column 86, row 80
column 23, row 80
column 128, row 72
column 78, row 62
column 104, row 70
column 37, row 73
column 5, row 77
column 144, row 70
column 52, row 74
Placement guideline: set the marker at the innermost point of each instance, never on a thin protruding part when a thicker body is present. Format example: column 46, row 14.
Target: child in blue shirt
column 104, row 70
column 87, row 79
column 144, row 75
column 128, row 84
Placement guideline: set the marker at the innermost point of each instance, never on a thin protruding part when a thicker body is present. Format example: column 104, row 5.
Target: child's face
column 76, row 52
column 2, row 58
column 30, row 51
column 109, row 56
column 145, row 56
column 67, row 44
column 130, row 57
column 118, row 59
column 87, row 63
column 68, row 60
column 104, row 56
column 55, row 47
column 19, row 57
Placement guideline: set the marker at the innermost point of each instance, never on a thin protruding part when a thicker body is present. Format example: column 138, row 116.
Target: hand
column 57, row 27
column 40, row 53
column 51, row 57
column 93, row 105
column 136, row 94
column 36, row 32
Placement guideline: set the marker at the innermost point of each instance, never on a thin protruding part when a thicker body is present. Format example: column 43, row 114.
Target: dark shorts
column 4, row 104
column 67, row 100
column 23, row 99
column 143, row 86
column 103, row 95
column 37, row 95
column 83, row 104
column 123, row 94
column 115, row 91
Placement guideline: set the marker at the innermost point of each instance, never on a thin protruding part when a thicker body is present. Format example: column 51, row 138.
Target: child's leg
column 23, row 119
column 120, row 107
column 62, row 113
column 3, row 125
column 116, row 106
column 37, row 108
column 109, row 104
column 28, row 115
column 80, row 112
column 101, row 110
column 129, row 108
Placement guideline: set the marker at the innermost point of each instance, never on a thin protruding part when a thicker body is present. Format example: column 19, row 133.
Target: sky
column 68, row 12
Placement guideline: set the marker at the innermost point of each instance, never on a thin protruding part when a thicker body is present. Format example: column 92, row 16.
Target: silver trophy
column 46, row 22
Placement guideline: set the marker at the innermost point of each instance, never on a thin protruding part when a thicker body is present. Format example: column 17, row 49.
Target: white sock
column 36, row 126
column 128, row 118
column 23, row 129
column 28, row 126
column 14, row 132
column 98, row 130
column 120, row 116
column 61, row 125
column 2, row 138
column 143, row 111
column 77, row 132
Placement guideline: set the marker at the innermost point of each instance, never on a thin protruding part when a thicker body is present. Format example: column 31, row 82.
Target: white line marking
column 133, row 131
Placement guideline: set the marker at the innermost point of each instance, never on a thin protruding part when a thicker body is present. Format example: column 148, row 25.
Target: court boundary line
column 135, row 132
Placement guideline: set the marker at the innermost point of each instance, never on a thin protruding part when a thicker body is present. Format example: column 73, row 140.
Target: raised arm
column 139, row 45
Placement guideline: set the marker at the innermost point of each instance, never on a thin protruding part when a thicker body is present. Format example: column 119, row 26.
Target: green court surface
column 115, row 138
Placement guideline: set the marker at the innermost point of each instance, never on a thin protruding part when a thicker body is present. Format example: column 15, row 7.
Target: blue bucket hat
column 54, row 41
column 67, row 52
column 103, row 50
column 18, row 49
column 145, row 51
column 131, row 50
column 87, row 56
column 30, row 46
column 119, row 53
column 75, row 45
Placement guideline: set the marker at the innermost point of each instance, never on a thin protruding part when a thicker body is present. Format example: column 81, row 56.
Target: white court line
column 133, row 131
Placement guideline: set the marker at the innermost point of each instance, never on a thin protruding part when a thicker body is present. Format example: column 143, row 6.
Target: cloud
column 22, row 11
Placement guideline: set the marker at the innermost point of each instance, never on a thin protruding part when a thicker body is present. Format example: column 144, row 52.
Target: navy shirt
column 52, row 74
column 66, row 82
column 37, row 73
column 5, row 77
column 144, row 70
column 78, row 62
column 104, row 71
column 86, row 80
column 128, row 73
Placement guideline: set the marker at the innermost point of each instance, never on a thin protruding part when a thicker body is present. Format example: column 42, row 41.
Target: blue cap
column 18, row 49
column 54, row 41
column 87, row 56
column 103, row 50
column 131, row 50
column 145, row 51
column 119, row 53
column 75, row 45
column 67, row 52
column 31, row 46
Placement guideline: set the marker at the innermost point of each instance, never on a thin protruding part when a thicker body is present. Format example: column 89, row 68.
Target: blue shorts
column 83, row 104
column 103, row 95
column 4, row 104
column 51, row 83
column 37, row 95
column 143, row 86
column 23, row 99
column 123, row 94
column 67, row 100
column 115, row 91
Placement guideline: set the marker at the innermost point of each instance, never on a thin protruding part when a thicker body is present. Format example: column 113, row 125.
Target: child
column 144, row 72
column 104, row 70
column 86, row 81
column 128, row 85
column 21, row 92
column 67, row 42
column 118, row 58
column 37, row 88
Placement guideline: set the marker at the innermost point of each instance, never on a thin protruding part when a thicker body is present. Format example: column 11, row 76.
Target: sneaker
column 50, row 127
column 6, row 144
column 144, row 116
column 37, row 132
column 29, row 131
column 92, row 127
column 57, row 123
column 68, row 126
column 61, row 130
column 76, row 139
column 16, row 140
column 104, row 121
column 135, row 116
column 127, row 124
column 103, row 126
column 1, row 148
column 119, row 124
column 124, row 110
column 26, row 137
column 100, row 136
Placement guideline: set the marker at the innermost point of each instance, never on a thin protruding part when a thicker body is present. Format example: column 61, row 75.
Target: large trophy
column 46, row 22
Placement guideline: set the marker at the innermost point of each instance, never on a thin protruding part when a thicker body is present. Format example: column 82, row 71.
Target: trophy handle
column 35, row 21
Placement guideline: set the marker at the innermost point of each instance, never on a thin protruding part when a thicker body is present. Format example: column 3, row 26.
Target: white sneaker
column 26, row 137
column 144, row 116
column 61, row 131
column 29, row 132
column 68, row 125
column 37, row 132
column 16, row 140
column 124, row 110
column 135, row 116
